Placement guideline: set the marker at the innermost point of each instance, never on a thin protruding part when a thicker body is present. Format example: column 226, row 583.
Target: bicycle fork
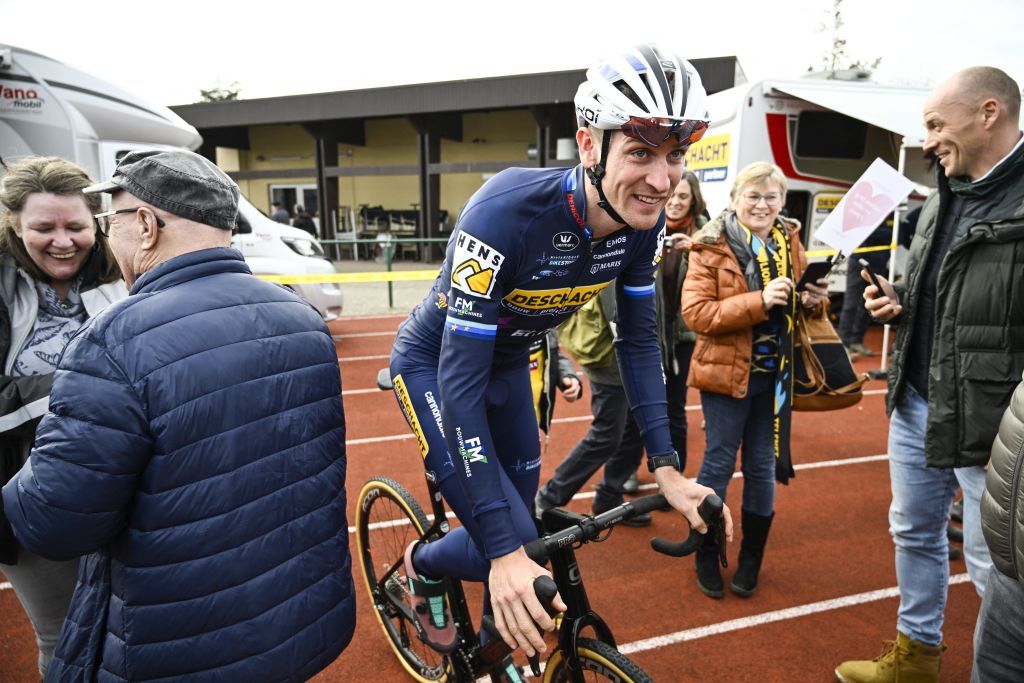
column 578, row 614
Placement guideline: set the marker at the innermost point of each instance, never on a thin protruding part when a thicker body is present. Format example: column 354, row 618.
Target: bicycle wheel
column 600, row 661
column 388, row 519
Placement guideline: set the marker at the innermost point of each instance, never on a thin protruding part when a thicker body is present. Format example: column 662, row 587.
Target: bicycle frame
column 578, row 614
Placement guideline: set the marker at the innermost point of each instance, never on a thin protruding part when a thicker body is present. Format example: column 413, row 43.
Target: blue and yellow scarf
column 763, row 260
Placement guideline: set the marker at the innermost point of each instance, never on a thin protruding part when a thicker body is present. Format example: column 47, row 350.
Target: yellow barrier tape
column 862, row 250
column 393, row 276
column 428, row 275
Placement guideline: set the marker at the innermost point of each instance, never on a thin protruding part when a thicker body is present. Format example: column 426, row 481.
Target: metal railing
column 387, row 246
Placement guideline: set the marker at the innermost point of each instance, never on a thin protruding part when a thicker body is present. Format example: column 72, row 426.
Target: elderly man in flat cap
column 193, row 454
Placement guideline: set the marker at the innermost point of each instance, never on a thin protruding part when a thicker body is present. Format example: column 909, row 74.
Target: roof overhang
column 895, row 109
column 480, row 94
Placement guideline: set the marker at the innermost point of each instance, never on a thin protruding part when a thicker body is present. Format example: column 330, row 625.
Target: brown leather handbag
column 823, row 375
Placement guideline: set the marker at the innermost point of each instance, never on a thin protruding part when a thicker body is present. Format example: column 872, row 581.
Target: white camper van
column 49, row 108
column 823, row 134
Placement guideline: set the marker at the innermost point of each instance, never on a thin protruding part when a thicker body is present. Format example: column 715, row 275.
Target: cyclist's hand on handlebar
column 515, row 604
column 685, row 495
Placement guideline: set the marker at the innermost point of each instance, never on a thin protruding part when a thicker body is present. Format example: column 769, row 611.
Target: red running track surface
column 827, row 589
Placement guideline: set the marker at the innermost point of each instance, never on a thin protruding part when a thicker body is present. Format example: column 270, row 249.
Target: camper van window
column 830, row 135
column 243, row 227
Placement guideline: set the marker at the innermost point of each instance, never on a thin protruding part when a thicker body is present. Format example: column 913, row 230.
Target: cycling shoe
column 433, row 620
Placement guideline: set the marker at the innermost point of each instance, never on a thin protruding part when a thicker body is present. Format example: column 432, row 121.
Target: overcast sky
column 167, row 51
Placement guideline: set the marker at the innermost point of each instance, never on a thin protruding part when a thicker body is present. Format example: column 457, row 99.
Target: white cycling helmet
column 648, row 95
column 641, row 89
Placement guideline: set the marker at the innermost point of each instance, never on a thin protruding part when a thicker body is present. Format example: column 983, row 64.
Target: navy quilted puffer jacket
column 194, row 451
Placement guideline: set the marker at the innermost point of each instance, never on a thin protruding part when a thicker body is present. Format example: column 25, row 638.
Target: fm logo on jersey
column 475, row 266
column 565, row 241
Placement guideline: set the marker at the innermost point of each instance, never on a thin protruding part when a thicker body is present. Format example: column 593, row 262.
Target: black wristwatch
column 672, row 459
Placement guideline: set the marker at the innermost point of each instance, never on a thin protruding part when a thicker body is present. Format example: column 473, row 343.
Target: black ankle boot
column 755, row 535
column 709, row 571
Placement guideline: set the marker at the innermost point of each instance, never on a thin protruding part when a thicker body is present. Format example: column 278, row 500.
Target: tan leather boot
column 904, row 661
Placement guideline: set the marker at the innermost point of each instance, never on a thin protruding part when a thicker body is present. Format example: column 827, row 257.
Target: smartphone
column 874, row 278
column 814, row 272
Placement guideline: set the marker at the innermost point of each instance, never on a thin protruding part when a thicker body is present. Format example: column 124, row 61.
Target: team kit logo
column 475, row 265
column 410, row 414
column 565, row 241
column 657, row 246
column 550, row 301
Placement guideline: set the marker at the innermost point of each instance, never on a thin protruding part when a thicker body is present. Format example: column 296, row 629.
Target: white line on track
column 5, row 586
column 393, row 316
column 351, row 359
column 761, row 619
column 350, row 392
column 649, row 487
column 580, row 418
column 768, row 618
column 339, row 337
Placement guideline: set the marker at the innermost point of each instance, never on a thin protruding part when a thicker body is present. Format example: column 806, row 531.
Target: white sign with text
column 865, row 206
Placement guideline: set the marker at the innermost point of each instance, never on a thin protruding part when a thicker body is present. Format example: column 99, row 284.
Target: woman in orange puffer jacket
column 738, row 297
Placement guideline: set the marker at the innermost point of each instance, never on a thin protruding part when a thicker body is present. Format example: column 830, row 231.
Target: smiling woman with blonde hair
column 738, row 297
column 56, row 272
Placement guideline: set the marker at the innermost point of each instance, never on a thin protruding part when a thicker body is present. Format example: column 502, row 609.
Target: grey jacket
column 978, row 352
column 1002, row 504
column 25, row 399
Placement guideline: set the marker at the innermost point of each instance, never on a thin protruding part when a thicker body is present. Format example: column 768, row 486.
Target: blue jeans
column 919, row 517
column 731, row 421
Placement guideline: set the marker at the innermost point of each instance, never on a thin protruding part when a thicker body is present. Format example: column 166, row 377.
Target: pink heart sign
column 863, row 208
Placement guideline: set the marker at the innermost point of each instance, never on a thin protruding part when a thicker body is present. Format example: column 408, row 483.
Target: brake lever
column 710, row 510
column 545, row 589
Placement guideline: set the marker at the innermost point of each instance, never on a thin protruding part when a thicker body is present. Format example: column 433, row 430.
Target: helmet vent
column 630, row 93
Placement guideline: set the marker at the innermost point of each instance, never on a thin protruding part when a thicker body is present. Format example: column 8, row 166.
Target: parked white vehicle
column 822, row 133
column 273, row 249
column 50, row 108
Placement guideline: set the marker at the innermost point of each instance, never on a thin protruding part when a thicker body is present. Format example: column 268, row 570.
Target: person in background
column 957, row 356
column 854, row 319
column 738, row 296
column 551, row 370
column 194, row 453
column 303, row 220
column 684, row 216
column 279, row 214
column 56, row 272
column 613, row 438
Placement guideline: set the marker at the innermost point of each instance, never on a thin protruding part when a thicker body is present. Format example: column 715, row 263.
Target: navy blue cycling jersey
column 520, row 261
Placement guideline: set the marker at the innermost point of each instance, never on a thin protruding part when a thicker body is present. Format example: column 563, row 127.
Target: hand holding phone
column 871, row 274
column 880, row 312
column 815, row 271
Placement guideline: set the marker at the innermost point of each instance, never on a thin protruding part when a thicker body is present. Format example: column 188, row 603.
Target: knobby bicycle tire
column 600, row 661
column 388, row 518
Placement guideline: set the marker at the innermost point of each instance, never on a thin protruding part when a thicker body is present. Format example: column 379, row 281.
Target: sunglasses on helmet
column 654, row 131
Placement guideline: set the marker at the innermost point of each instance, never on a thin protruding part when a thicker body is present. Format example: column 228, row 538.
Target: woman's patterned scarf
column 762, row 261
column 56, row 322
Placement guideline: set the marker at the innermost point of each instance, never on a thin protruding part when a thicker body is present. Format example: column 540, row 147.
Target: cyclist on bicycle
column 531, row 247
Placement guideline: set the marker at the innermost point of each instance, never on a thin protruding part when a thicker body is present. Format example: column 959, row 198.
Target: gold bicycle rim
column 397, row 499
